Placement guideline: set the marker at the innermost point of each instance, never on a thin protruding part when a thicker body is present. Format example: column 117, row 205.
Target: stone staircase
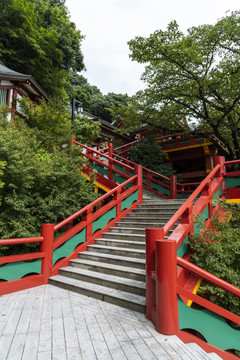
column 113, row 269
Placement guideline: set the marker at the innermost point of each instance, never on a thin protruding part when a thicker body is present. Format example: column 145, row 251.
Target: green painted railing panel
column 202, row 218
column 161, row 189
column 232, row 182
column 183, row 248
column 120, row 179
column 103, row 220
column 15, row 271
column 212, row 326
column 69, row 246
column 144, row 180
column 120, row 168
column 185, row 141
column 100, row 169
column 126, row 203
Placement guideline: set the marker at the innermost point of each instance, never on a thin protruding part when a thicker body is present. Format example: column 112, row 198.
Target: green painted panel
column 126, row 203
column 232, row 182
column 160, row 188
column 69, row 246
column 103, row 220
column 212, row 326
column 202, row 218
column 185, row 141
column 172, row 143
column 120, row 179
column 199, row 139
column 100, row 169
column 17, row 270
column 120, row 168
column 183, row 248
column 144, row 180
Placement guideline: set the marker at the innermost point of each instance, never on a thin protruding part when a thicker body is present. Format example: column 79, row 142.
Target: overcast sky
column 109, row 24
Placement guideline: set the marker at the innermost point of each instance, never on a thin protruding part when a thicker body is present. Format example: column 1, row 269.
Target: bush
column 39, row 186
column 217, row 250
column 150, row 155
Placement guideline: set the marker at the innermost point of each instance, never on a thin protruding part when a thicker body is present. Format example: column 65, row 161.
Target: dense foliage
column 149, row 154
column 192, row 82
column 37, row 38
column 93, row 100
column 41, row 184
column 217, row 250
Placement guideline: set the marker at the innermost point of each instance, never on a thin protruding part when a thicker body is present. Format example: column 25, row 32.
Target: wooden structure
column 14, row 86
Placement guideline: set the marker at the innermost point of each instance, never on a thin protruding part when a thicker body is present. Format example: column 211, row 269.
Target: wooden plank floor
column 46, row 323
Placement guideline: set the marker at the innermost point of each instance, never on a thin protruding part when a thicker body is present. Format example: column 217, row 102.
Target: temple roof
column 9, row 74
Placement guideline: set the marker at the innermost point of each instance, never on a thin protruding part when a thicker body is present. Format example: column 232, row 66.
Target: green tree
column 193, row 80
column 85, row 130
column 38, row 38
column 149, row 154
column 40, row 186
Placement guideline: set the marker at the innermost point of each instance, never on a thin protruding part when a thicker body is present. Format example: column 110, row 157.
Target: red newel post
column 152, row 234
column 166, row 287
column 110, row 154
column 47, row 233
column 173, row 184
column 138, row 172
column 221, row 161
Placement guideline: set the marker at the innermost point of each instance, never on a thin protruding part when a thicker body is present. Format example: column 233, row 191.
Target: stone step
column 127, row 230
column 121, row 243
column 141, row 224
column 154, row 211
column 108, row 280
column 124, row 236
column 117, row 297
column 147, row 217
column 106, row 268
column 117, row 251
column 113, row 259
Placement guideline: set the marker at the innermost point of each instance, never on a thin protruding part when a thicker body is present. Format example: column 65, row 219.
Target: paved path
column 46, row 323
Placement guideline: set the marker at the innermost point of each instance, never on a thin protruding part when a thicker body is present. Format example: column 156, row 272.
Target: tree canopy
column 39, row 37
column 192, row 82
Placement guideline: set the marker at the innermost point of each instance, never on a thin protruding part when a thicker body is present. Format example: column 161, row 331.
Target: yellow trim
column 194, row 292
column 188, row 147
column 233, row 201
column 97, row 184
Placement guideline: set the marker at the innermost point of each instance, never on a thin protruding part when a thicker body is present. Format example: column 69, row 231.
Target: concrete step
column 113, row 259
column 140, row 225
column 117, row 297
column 124, row 236
column 108, row 280
column 128, row 230
column 154, row 211
column 147, row 217
column 106, row 268
column 133, row 253
column 121, row 243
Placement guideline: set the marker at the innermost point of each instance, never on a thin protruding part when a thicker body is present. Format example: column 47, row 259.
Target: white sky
column 109, row 24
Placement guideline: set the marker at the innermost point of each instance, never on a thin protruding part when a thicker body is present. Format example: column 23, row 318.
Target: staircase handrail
column 93, row 203
column 189, row 201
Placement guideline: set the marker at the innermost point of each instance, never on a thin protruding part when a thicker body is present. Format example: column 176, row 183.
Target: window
column 3, row 97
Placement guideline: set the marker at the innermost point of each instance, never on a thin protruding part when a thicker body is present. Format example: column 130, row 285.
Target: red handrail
column 189, row 201
column 95, row 202
column 21, row 240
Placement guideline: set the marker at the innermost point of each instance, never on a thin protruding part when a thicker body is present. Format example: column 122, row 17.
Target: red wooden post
column 88, row 219
column 152, row 234
column 173, row 184
column 118, row 206
column 221, row 160
column 206, row 192
column 110, row 154
column 47, row 232
column 148, row 180
column 166, row 287
column 138, row 172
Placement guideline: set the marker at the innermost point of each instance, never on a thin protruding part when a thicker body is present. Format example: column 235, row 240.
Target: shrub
column 217, row 250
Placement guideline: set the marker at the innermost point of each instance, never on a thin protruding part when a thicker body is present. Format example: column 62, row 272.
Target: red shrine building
column 14, row 86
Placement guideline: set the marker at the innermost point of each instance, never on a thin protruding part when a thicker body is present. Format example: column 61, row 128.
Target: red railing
column 84, row 219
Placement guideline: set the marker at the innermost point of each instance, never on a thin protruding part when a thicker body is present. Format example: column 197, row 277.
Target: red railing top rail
column 126, row 145
column 21, row 240
column 232, row 162
column 92, row 204
column 208, row 276
column 189, row 201
column 106, row 156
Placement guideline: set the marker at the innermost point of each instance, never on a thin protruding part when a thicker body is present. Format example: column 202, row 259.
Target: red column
column 152, row 234
column 166, row 282
column 173, row 184
column 47, row 233
column 110, row 154
column 138, row 172
column 221, row 161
